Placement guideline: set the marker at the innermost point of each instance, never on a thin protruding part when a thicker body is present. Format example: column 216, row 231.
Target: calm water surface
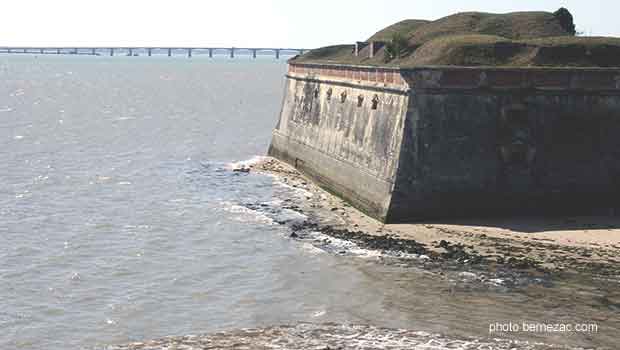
column 119, row 220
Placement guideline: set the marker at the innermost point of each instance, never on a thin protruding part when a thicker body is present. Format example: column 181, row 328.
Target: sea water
column 121, row 221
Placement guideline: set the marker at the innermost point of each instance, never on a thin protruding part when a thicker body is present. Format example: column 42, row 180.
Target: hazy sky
column 266, row 23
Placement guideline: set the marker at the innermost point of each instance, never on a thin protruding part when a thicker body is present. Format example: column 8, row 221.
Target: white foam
column 246, row 214
column 319, row 313
column 297, row 190
column 292, row 215
column 311, row 249
column 245, row 163
column 497, row 281
column 341, row 246
column 75, row 277
column 468, row 275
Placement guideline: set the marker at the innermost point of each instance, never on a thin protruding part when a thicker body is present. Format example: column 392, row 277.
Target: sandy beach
column 569, row 244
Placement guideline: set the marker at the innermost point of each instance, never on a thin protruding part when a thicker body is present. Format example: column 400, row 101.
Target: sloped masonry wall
column 344, row 132
column 409, row 145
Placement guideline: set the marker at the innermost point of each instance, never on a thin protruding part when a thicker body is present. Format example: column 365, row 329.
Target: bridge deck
column 134, row 50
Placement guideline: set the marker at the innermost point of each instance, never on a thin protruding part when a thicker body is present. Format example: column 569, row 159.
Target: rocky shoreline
column 471, row 256
column 328, row 337
column 536, row 246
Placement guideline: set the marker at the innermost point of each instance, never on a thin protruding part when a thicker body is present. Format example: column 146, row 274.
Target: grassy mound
column 484, row 39
column 334, row 53
column 405, row 28
column 487, row 50
column 466, row 50
column 576, row 51
column 517, row 25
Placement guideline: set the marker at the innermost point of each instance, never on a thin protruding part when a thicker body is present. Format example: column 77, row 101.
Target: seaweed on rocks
column 454, row 256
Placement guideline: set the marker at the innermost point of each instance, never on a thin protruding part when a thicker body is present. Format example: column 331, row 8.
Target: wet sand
column 561, row 244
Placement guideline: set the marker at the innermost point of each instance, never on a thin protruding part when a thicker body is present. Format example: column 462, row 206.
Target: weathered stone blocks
column 450, row 142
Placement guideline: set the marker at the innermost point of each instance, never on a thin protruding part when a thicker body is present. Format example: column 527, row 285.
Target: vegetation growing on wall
column 566, row 20
column 396, row 47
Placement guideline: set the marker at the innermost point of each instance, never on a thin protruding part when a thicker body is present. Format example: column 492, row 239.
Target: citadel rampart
column 443, row 142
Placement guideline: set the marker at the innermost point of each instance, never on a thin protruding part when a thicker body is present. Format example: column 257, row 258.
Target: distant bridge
column 150, row 51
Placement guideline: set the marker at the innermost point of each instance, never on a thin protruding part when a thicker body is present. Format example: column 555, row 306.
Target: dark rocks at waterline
column 523, row 264
column 382, row 243
column 386, row 243
column 457, row 252
column 444, row 258
column 502, row 258
column 453, row 256
column 242, row 170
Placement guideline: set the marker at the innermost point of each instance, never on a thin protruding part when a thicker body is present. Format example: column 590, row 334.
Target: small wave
column 337, row 246
column 25, row 193
column 319, row 313
column 246, row 214
column 298, row 190
column 268, row 212
column 245, row 163
column 75, row 277
column 6, row 109
column 311, row 249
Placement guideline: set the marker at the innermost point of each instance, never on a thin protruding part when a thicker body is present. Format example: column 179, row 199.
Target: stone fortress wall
column 443, row 142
